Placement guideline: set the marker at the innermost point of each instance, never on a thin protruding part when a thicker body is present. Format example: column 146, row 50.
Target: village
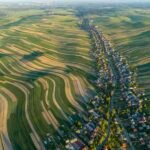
column 107, row 113
column 113, row 72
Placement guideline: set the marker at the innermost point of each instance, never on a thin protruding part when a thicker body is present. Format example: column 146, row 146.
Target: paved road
column 112, row 66
column 125, row 132
column 117, row 82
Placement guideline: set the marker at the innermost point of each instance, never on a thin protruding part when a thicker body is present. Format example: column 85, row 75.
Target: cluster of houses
column 131, row 99
column 122, row 67
column 85, row 131
column 138, row 123
column 75, row 144
column 105, row 74
column 125, row 80
column 123, row 75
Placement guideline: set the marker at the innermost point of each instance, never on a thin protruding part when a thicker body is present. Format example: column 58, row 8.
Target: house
column 142, row 141
column 75, row 144
column 90, row 127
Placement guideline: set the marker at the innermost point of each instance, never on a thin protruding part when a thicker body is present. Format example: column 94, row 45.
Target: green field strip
column 35, row 111
column 20, row 132
column 52, row 107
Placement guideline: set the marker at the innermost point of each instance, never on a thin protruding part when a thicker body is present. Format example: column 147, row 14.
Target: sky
column 74, row 0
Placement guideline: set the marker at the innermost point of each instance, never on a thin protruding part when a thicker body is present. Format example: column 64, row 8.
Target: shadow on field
column 32, row 56
column 75, row 70
column 34, row 75
column 4, row 55
column 144, row 67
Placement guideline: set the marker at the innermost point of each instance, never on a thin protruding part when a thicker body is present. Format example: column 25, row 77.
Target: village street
column 116, row 78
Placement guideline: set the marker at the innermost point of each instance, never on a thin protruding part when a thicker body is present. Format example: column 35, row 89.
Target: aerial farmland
column 74, row 77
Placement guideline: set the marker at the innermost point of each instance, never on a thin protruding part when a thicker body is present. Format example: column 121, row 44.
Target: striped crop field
column 74, row 76
column 46, row 74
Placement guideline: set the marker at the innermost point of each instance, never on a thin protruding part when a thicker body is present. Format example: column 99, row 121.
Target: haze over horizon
column 62, row 1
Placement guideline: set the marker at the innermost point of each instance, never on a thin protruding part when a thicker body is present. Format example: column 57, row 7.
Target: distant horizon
column 76, row 1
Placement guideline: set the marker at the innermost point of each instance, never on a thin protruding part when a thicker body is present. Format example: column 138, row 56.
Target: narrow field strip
column 9, row 93
column 68, row 92
column 36, row 136
column 3, row 123
column 50, row 118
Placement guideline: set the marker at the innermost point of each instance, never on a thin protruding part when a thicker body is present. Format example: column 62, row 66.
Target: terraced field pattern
column 45, row 74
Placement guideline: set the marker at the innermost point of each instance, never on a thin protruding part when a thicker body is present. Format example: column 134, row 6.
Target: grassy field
column 45, row 74
column 128, row 30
